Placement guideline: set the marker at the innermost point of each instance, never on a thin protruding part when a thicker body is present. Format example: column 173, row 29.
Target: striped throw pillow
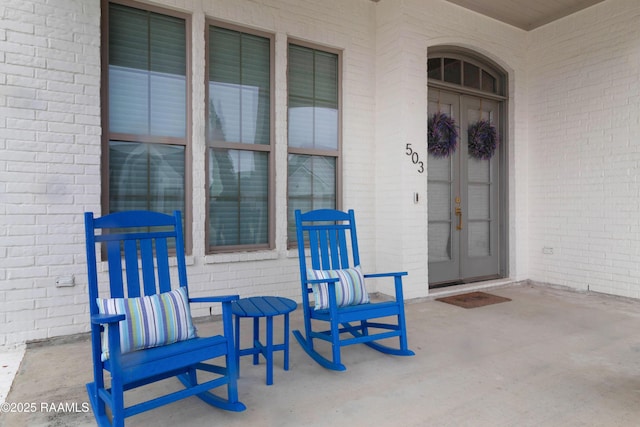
column 150, row 321
column 350, row 289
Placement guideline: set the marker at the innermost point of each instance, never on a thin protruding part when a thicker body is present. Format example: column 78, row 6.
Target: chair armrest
column 397, row 281
column 100, row 319
column 399, row 273
column 101, row 322
column 223, row 298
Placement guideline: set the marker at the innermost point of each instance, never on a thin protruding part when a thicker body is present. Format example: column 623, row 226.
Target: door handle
column 459, row 215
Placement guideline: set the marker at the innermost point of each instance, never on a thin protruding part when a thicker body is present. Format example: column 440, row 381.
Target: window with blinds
column 147, row 110
column 313, row 131
column 239, row 140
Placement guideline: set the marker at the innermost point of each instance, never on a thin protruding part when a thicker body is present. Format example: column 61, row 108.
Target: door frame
column 503, row 154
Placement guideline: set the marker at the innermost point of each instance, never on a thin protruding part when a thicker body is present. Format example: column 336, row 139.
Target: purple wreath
column 443, row 135
column 483, row 140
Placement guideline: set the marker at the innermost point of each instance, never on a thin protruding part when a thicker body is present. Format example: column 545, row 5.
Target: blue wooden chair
column 141, row 326
column 340, row 299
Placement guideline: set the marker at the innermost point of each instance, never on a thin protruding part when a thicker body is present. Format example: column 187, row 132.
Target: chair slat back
column 138, row 247
column 330, row 237
column 131, row 261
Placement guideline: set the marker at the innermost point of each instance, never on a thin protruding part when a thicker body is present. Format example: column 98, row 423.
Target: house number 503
column 415, row 158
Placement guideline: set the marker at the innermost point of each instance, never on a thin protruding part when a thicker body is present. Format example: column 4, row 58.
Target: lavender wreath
column 442, row 135
column 483, row 140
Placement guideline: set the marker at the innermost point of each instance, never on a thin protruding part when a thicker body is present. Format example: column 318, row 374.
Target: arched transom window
column 458, row 70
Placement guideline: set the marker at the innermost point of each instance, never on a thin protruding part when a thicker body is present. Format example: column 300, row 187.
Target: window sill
column 240, row 257
column 103, row 266
column 293, row 253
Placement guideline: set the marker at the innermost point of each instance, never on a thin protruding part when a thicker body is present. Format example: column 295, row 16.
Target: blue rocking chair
column 340, row 298
column 141, row 327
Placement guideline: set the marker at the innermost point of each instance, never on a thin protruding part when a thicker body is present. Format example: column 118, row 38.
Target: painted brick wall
column 584, row 155
column 49, row 162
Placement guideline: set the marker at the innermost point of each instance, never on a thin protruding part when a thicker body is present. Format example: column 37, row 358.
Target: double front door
column 464, row 192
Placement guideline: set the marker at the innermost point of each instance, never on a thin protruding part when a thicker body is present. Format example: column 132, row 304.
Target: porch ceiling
column 526, row 14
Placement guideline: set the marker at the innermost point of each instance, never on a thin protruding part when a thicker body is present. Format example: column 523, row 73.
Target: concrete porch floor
column 549, row 357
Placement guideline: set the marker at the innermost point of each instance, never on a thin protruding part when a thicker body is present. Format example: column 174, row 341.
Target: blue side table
column 268, row 307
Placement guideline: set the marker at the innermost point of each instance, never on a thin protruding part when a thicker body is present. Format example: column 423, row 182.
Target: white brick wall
column 49, row 162
column 584, row 154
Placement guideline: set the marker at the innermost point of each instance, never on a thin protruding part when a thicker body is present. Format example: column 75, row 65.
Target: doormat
column 473, row 299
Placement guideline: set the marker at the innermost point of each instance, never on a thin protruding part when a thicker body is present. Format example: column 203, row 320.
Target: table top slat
column 262, row 306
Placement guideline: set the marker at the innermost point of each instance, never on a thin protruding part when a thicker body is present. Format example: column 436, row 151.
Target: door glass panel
column 479, row 241
column 473, row 115
column 439, row 202
column 439, row 199
column 439, row 241
column 479, row 201
column 439, row 168
column 479, row 170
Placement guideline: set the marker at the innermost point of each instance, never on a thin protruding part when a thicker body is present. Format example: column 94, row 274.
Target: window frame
column 239, row 146
column 443, row 53
column 108, row 136
column 337, row 154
